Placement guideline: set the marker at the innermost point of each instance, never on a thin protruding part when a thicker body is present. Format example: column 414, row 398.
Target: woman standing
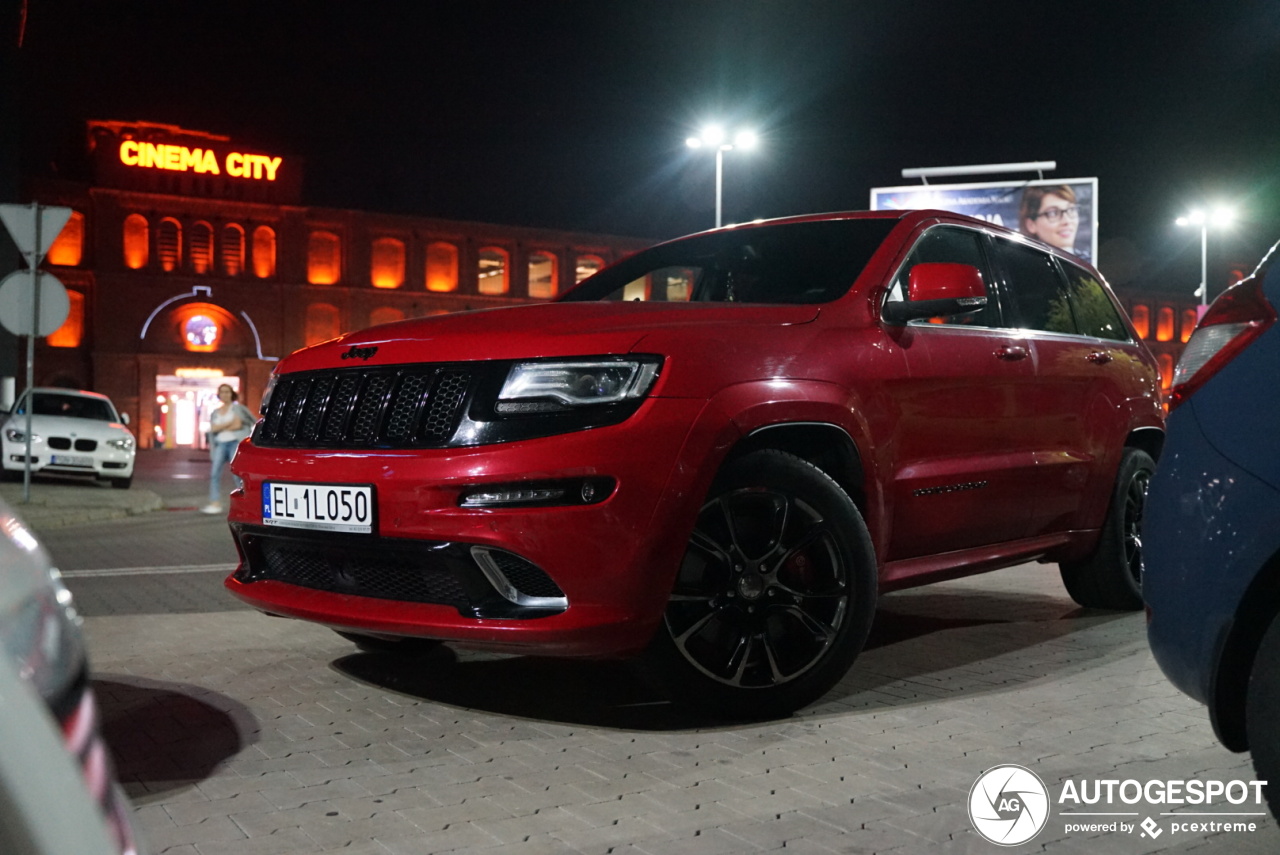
column 229, row 423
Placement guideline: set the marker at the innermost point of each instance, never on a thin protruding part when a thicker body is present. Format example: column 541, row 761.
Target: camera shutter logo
column 1008, row 805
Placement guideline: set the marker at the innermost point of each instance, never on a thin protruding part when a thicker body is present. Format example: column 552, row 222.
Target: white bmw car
column 72, row 433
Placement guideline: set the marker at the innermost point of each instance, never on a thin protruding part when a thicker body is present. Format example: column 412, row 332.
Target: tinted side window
column 956, row 246
column 1095, row 314
column 1035, row 287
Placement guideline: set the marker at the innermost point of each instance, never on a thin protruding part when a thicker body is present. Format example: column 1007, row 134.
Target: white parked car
column 72, row 433
column 58, row 793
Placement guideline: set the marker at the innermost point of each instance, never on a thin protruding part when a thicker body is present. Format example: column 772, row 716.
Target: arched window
column 137, row 242
column 1189, row 319
column 1142, row 320
column 543, row 271
column 71, row 333
column 386, row 269
column 201, row 248
column 68, row 248
column 169, row 244
column 385, row 315
column 1165, row 361
column 1164, row 324
column 322, row 323
column 442, row 267
column 587, row 265
column 324, row 258
column 492, row 276
column 232, row 249
column 264, row 252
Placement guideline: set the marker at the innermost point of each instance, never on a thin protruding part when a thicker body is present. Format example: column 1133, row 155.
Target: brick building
column 190, row 261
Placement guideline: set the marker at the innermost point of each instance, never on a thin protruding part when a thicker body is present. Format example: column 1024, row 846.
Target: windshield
column 71, row 406
column 811, row 262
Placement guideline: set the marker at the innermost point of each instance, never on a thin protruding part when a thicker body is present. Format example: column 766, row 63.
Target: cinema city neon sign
column 201, row 160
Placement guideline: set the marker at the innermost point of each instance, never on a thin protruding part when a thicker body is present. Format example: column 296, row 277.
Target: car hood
column 528, row 332
column 46, row 426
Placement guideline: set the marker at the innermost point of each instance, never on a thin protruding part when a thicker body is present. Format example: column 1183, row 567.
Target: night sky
column 573, row 113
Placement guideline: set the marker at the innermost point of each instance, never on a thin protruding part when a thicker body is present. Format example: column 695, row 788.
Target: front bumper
column 1210, row 526
column 104, row 462
column 581, row 580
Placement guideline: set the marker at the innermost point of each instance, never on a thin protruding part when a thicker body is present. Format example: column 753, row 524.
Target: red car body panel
column 975, row 447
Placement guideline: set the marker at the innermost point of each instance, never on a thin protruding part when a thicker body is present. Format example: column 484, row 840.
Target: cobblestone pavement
column 239, row 734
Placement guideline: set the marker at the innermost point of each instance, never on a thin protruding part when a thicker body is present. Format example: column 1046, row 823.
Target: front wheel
column 1261, row 702
column 122, row 483
column 775, row 595
column 1111, row 578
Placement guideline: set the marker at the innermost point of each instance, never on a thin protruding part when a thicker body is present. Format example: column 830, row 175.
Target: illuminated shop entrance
column 182, row 406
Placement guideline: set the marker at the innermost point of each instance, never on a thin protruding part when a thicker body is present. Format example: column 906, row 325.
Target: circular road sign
column 17, row 294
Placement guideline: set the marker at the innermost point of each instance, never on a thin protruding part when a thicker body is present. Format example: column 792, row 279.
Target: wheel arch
column 1148, row 439
column 1230, row 682
column 823, row 444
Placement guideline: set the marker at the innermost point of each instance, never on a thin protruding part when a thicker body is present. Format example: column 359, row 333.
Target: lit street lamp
column 1219, row 217
column 714, row 137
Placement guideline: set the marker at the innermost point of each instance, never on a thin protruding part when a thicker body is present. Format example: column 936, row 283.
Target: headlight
column 266, row 393
column 41, row 634
column 14, row 435
column 554, row 387
column 122, row 444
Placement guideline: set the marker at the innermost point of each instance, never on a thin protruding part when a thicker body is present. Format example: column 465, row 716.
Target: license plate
column 327, row 507
column 70, row 460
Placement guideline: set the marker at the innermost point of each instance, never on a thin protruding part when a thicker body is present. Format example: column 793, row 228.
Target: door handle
column 1011, row 352
column 1099, row 357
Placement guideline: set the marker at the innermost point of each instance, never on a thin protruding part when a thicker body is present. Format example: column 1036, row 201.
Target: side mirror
column 124, row 417
column 937, row 289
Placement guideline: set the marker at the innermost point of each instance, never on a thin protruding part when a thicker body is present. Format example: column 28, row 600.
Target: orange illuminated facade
column 191, row 259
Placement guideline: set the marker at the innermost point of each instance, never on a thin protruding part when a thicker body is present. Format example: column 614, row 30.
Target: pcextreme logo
column 1009, row 805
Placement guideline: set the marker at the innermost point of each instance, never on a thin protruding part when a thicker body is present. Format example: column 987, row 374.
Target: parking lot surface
column 240, row 734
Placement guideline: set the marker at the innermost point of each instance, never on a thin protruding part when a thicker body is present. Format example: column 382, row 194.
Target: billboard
column 1062, row 211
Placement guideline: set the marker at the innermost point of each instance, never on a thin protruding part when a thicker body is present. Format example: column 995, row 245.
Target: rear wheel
column 775, row 595
column 1261, row 703
column 1111, row 578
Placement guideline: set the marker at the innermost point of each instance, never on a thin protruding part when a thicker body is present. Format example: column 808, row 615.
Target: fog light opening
column 577, row 491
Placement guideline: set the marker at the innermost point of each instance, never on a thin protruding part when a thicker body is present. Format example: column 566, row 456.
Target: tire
column 1111, row 578
column 388, row 643
column 775, row 595
column 122, row 483
column 1261, row 725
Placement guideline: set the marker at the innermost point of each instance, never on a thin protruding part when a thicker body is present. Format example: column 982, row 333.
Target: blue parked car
column 1212, row 528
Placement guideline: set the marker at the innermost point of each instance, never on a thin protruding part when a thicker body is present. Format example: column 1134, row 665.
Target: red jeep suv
column 715, row 452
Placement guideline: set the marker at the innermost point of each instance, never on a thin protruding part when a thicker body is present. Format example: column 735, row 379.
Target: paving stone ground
column 239, row 734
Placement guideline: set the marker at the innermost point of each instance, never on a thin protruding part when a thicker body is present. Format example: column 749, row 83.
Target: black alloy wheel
column 775, row 594
column 1111, row 578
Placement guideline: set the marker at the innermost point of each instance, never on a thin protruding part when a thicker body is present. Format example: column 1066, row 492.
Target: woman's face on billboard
column 1056, row 222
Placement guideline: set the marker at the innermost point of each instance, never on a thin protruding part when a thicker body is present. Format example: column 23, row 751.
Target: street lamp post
column 714, row 137
column 1219, row 217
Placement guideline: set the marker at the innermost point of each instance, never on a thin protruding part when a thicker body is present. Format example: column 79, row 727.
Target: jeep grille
column 415, row 406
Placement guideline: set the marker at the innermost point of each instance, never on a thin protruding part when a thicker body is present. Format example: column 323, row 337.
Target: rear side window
column 1066, row 299
column 1035, row 287
column 955, row 246
column 1094, row 312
